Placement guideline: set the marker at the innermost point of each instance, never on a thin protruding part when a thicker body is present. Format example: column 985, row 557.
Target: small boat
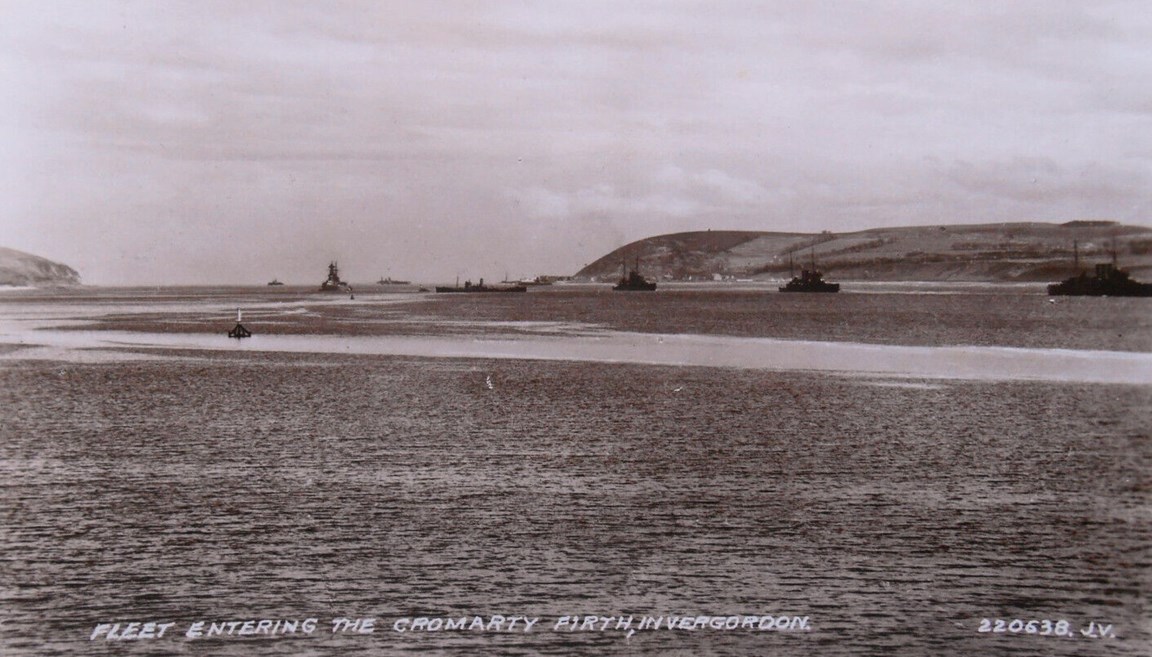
column 334, row 284
column 275, row 282
column 632, row 281
column 469, row 288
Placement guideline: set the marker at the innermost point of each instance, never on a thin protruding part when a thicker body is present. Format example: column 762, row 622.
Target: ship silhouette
column 809, row 280
column 632, row 281
column 1107, row 280
column 470, row 288
column 334, row 284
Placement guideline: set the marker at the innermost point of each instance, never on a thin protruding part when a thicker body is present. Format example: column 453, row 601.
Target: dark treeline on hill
column 980, row 252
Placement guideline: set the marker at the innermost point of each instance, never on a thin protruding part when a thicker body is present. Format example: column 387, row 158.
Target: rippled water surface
column 895, row 512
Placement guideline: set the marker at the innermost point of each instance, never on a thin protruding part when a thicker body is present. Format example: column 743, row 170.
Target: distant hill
column 981, row 252
column 24, row 269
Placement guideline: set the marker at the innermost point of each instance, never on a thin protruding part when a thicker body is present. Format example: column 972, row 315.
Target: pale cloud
column 388, row 132
column 671, row 192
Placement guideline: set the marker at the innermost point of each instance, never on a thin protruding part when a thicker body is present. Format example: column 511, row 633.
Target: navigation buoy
column 239, row 331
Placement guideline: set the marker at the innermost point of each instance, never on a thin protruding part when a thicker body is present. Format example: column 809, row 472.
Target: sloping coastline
column 20, row 269
column 1004, row 252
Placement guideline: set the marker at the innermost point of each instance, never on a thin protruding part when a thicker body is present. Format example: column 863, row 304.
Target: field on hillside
column 990, row 252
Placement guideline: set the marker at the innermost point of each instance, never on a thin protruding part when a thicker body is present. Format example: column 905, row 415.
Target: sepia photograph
column 567, row 328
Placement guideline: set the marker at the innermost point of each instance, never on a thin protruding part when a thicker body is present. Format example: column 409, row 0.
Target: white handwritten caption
column 137, row 631
column 1043, row 627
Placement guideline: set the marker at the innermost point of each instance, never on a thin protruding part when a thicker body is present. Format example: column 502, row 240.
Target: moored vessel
column 632, row 280
column 389, row 281
column 1107, row 280
column 334, row 284
column 481, row 287
column 810, row 280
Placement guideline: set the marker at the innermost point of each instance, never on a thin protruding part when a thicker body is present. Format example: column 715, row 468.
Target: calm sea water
column 196, row 482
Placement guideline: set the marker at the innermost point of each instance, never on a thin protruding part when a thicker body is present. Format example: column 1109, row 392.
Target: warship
column 1108, row 280
column 334, row 284
column 528, row 282
column 275, row 282
column 632, row 281
column 389, row 281
column 481, row 287
column 809, row 280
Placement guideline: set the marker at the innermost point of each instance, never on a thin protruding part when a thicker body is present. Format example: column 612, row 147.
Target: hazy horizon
column 207, row 142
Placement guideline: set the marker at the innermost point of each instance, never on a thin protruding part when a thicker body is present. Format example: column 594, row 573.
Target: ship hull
column 1108, row 281
column 823, row 287
column 478, row 289
column 1075, row 287
column 810, row 280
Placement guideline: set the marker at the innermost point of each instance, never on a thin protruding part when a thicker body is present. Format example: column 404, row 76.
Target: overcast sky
column 233, row 142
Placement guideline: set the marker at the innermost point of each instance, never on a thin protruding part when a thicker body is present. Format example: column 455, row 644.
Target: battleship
column 389, row 281
column 1107, row 280
column 334, row 284
column 632, row 281
column 809, row 280
column 481, row 287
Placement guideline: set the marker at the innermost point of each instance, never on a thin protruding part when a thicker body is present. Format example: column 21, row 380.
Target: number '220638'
column 1016, row 626
column 1043, row 628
